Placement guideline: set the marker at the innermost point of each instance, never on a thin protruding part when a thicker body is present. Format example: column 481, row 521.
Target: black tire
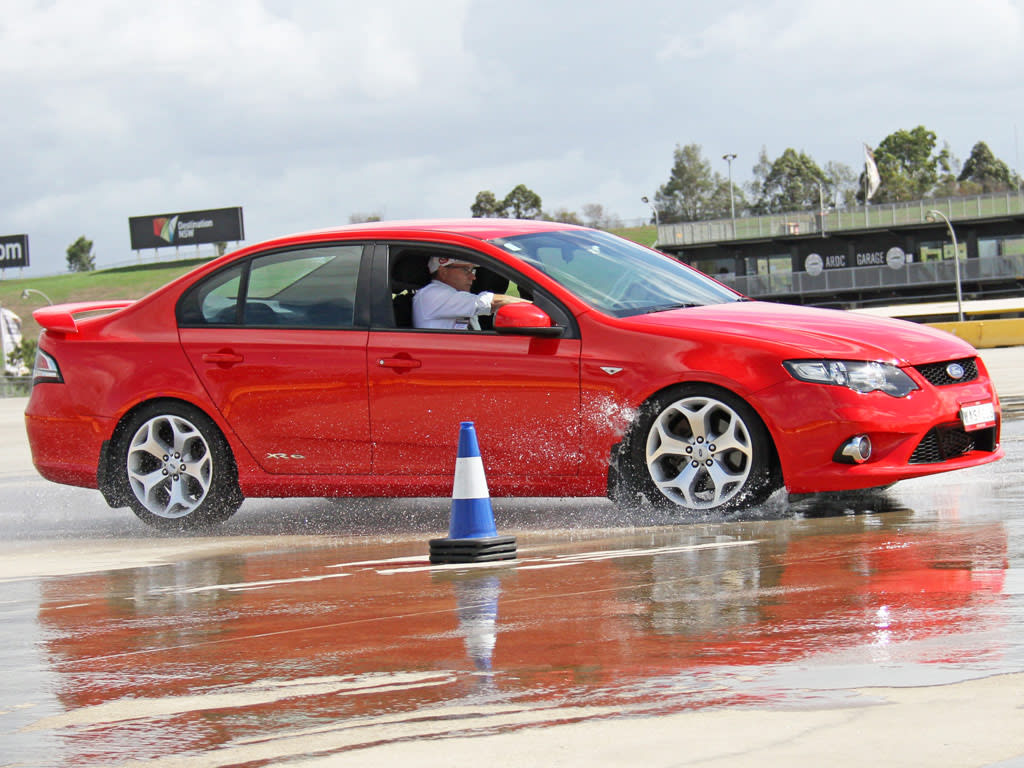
column 174, row 467
column 701, row 448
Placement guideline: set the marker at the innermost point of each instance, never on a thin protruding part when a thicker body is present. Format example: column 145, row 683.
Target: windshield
column 615, row 275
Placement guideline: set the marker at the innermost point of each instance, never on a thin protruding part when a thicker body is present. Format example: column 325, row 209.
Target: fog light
column 856, row 450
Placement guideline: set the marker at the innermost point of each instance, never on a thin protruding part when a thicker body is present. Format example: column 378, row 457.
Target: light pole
column 732, row 197
column 654, row 210
column 932, row 216
column 657, row 222
column 27, row 291
column 821, row 208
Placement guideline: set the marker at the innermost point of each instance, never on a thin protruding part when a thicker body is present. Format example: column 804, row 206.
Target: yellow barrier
column 982, row 334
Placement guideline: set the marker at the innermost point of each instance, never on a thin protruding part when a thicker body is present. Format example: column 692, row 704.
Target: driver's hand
column 501, row 299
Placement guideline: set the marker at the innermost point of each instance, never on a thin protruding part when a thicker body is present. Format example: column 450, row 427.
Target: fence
column 832, row 281
column 15, row 386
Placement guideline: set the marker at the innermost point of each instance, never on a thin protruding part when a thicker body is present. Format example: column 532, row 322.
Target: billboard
column 219, row 225
column 13, row 251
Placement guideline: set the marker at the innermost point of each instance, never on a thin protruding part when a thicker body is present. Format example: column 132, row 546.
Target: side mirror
column 524, row 319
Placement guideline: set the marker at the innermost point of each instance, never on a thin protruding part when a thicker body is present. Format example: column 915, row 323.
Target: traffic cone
column 472, row 537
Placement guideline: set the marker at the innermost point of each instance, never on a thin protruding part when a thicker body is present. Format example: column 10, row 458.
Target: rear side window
column 215, row 300
column 303, row 288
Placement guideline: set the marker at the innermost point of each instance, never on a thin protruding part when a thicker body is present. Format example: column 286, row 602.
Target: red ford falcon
column 292, row 368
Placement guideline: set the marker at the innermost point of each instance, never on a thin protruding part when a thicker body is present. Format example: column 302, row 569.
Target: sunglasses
column 467, row 270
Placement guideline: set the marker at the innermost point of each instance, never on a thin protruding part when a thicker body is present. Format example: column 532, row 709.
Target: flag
column 873, row 180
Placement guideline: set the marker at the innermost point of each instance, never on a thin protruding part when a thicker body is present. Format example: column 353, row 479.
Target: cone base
column 479, row 550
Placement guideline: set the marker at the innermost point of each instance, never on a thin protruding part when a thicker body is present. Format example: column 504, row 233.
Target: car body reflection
column 204, row 654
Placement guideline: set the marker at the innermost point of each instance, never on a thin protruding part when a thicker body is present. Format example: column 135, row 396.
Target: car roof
column 479, row 228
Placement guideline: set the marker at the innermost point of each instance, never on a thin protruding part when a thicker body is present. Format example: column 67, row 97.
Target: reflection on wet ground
column 319, row 635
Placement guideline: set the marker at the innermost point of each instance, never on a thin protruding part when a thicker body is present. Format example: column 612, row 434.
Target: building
column 892, row 253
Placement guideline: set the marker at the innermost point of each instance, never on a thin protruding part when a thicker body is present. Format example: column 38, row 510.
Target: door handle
column 222, row 358
column 399, row 363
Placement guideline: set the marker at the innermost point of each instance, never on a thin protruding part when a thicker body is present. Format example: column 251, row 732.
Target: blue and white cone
column 472, row 536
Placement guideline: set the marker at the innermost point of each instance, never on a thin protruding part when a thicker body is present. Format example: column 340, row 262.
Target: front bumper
column 912, row 436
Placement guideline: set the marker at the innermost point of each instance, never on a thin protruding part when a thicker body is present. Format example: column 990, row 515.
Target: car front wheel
column 175, row 467
column 701, row 448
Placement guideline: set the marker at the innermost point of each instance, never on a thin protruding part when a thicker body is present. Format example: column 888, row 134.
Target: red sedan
column 292, row 368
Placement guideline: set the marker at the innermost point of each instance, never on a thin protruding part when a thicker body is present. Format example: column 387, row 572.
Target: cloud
column 236, row 46
column 812, row 38
column 305, row 112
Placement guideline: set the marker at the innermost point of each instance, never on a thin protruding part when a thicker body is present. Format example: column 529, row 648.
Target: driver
column 446, row 301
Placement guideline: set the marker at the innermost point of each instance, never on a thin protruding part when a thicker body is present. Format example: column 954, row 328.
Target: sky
column 306, row 112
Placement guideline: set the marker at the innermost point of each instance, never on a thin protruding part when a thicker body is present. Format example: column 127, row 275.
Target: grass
column 645, row 235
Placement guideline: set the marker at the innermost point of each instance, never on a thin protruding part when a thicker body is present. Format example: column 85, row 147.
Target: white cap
column 436, row 262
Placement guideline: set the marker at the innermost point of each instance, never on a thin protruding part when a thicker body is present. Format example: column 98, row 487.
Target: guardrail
column 816, row 222
column 15, row 386
column 985, row 334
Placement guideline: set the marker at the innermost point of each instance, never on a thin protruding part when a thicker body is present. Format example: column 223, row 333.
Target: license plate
column 977, row 415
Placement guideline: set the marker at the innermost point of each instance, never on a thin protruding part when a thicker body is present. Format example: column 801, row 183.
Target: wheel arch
column 622, row 449
column 113, row 492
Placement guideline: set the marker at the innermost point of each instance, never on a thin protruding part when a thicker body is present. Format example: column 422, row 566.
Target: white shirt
column 438, row 305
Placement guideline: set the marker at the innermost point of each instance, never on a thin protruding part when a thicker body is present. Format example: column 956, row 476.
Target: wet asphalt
column 884, row 627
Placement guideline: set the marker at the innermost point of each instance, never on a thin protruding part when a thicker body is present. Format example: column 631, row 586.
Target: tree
column 986, row 170
column 22, row 355
column 760, row 172
column 840, row 185
column 487, row 206
column 686, row 196
column 80, row 256
column 908, row 165
column 723, row 199
column 594, row 215
column 792, row 184
column 563, row 215
column 522, row 203
column 363, row 218
column 946, row 183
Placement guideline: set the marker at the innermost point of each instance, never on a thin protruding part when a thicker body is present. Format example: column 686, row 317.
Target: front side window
column 408, row 269
column 614, row 275
column 304, row 288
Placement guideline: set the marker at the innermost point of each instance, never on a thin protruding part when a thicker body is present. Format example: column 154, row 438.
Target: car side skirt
column 410, row 486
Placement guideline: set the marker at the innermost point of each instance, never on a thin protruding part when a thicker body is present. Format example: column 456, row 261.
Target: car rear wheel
column 175, row 467
column 701, row 448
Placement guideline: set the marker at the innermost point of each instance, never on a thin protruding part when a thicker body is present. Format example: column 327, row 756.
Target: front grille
column 936, row 374
column 951, row 442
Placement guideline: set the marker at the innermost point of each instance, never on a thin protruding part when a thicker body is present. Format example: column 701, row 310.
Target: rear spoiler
column 61, row 317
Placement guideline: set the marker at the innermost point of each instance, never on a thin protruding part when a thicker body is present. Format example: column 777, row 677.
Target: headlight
column 858, row 375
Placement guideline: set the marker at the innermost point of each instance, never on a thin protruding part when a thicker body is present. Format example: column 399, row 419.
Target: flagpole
column 865, row 194
column 871, row 180
column 867, row 181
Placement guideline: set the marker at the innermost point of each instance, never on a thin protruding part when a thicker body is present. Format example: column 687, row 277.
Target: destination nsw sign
column 220, row 225
column 13, row 251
